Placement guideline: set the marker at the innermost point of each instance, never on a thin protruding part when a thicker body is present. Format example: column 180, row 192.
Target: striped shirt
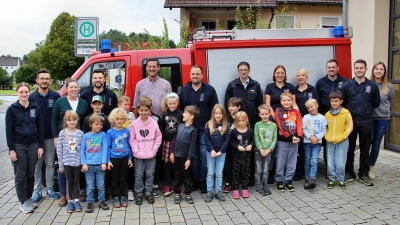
column 154, row 90
column 68, row 147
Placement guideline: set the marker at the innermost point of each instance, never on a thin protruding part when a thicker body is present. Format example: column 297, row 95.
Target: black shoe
column 289, row 186
column 349, row 177
column 365, row 180
column 195, row 186
column 271, row 179
column 307, row 184
column 89, row 208
column 203, row 188
column 280, row 186
column 150, row 199
column 312, row 183
column 177, row 199
column 297, row 177
column 104, row 205
column 138, row 200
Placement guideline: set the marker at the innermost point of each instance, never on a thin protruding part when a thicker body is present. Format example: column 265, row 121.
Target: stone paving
column 358, row 204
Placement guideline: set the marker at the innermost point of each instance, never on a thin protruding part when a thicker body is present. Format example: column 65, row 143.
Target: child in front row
column 290, row 133
column 68, row 146
column 234, row 105
column 94, row 161
column 124, row 103
column 145, row 141
column 241, row 142
column 340, row 125
column 170, row 121
column 183, row 148
column 265, row 139
column 314, row 129
column 119, row 155
column 217, row 137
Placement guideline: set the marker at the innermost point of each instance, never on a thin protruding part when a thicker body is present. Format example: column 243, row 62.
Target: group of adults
column 371, row 117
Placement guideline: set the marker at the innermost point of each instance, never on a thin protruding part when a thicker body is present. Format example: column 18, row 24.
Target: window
column 230, row 24
column 284, row 22
column 208, row 24
column 329, row 22
column 170, row 70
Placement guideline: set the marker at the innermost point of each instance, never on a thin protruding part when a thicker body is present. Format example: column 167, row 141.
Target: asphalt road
column 7, row 101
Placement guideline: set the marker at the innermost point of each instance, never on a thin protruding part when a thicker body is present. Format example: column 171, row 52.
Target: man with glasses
column 45, row 98
column 251, row 94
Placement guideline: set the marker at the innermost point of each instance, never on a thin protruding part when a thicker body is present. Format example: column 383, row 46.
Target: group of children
column 131, row 142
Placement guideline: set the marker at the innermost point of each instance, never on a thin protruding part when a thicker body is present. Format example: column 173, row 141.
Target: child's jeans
column 261, row 169
column 286, row 159
column 311, row 153
column 144, row 167
column 93, row 174
column 215, row 167
column 336, row 157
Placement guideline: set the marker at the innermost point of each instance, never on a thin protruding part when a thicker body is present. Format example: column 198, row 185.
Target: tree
column 114, row 36
column 26, row 73
column 57, row 53
column 25, row 57
column 184, row 34
column 4, row 77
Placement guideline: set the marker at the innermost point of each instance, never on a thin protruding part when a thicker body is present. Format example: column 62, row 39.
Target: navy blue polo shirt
column 275, row 93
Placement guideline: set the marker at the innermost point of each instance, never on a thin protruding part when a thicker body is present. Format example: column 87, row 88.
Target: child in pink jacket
column 145, row 140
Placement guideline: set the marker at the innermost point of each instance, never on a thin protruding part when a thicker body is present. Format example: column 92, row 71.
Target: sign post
column 86, row 36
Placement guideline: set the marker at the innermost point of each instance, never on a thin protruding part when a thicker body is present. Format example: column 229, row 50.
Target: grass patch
column 8, row 92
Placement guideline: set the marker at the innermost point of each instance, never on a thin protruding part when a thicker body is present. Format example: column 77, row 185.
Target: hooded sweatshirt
column 145, row 138
column 24, row 125
column 340, row 125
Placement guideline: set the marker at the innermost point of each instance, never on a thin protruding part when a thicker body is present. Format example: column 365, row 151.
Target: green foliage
column 260, row 23
column 250, row 19
column 239, row 23
column 57, row 53
column 171, row 44
column 151, row 43
column 26, row 73
column 165, row 38
column 25, row 57
column 114, row 36
column 4, row 77
column 219, row 25
column 184, row 34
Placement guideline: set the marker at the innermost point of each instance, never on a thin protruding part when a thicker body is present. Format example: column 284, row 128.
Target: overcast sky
column 26, row 22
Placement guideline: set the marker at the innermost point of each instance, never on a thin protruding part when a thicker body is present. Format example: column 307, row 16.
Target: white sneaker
column 371, row 175
column 130, row 195
column 26, row 207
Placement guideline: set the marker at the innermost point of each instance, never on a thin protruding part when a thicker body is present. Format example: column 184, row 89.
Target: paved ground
column 358, row 204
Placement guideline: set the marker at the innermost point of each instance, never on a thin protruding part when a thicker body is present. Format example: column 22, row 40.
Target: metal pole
column 344, row 16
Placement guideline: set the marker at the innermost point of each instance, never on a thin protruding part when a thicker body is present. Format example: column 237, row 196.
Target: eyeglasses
column 44, row 78
column 243, row 70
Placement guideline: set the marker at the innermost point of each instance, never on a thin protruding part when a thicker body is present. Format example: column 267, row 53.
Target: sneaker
column 348, row 178
column 123, row 201
column 70, row 207
column 371, row 175
column 117, row 202
column 63, row 201
column 130, row 195
column 150, row 199
column 78, row 207
column 245, row 193
column 312, row 183
column 261, row 192
column 33, row 204
column 155, row 192
column 289, row 186
column 331, row 184
column 104, row 205
column 168, row 190
column 267, row 191
column 177, row 199
column 280, row 186
column 307, row 183
column 227, row 188
column 342, row 185
column 89, row 208
column 189, row 199
column 209, row 197
column 220, row 196
column 37, row 195
column 365, row 180
column 52, row 194
column 235, row 194
column 138, row 200
column 26, row 208
column 82, row 195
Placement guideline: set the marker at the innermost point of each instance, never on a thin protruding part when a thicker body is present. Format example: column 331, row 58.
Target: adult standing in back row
column 251, row 94
column 360, row 96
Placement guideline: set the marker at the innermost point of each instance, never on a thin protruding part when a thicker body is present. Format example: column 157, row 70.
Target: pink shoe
column 235, row 194
column 245, row 193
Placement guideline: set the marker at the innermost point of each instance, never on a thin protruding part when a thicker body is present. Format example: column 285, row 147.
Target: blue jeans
column 95, row 173
column 62, row 183
column 200, row 158
column 215, row 167
column 311, row 153
column 378, row 130
column 336, row 155
column 261, row 169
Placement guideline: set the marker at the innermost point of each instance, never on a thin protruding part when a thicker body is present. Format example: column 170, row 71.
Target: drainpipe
column 344, row 16
column 273, row 9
